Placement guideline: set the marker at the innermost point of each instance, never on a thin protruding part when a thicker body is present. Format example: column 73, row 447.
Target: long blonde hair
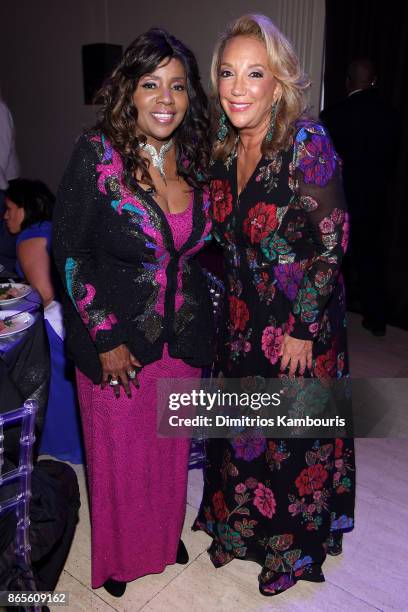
column 286, row 69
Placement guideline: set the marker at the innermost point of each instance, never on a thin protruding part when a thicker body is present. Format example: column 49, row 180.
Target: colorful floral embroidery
column 325, row 365
column 276, row 454
column 345, row 230
column 269, row 174
column 220, row 508
column 265, row 287
column 248, row 447
column 316, row 159
column 283, row 245
column 274, row 246
column 272, row 339
column 289, row 278
column 261, row 221
column 239, row 313
column 264, row 500
column 221, row 198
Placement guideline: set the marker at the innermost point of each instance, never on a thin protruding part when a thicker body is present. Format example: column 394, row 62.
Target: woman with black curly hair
column 131, row 214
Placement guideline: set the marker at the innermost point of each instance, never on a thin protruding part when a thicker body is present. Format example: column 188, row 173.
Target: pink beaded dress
column 137, row 514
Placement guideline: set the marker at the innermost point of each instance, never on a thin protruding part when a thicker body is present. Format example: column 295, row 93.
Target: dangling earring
column 222, row 127
column 271, row 129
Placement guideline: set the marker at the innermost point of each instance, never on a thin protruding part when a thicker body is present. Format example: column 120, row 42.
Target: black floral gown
column 283, row 503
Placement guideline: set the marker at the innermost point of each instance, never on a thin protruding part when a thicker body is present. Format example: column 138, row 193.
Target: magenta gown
column 137, row 481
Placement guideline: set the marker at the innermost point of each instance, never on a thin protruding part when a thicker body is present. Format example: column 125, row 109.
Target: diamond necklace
column 157, row 157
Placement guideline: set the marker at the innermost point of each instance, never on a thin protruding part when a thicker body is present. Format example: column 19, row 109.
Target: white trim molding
column 303, row 22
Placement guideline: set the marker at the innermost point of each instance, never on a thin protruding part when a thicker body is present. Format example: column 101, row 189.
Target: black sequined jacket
column 115, row 252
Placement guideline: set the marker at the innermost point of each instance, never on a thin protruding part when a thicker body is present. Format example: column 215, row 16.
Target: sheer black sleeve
column 321, row 196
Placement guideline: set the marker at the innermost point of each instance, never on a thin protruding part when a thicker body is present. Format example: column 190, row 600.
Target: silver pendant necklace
column 158, row 157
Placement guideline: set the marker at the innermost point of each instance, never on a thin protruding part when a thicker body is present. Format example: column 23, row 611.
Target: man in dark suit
column 364, row 131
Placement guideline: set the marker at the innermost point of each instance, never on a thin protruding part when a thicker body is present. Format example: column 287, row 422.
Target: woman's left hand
column 296, row 354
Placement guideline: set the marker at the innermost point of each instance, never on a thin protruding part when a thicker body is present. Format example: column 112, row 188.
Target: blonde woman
column 279, row 213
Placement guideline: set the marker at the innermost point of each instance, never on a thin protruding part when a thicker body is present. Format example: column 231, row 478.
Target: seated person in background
column 9, row 170
column 29, row 206
column 28, row 215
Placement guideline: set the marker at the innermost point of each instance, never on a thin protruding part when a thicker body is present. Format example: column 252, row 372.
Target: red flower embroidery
column 272, row 339
column 264, row 500
column 239, row 313
column 220, row 507
column 261, row 221
column 221, row 198
column 318, row 475
column 339, row 448
column 265, row 288
column 311, row 478
column 326, row 364
column 303, row 483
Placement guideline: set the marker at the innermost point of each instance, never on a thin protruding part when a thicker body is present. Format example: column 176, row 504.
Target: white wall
column 40, row 57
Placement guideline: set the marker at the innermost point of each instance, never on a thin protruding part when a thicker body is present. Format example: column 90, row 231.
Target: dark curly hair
column 118, row 115
column 36, row 199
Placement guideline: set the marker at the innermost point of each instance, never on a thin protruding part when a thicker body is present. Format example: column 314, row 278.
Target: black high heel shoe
column 335, row 544
column 182, row 554
column 114, row 587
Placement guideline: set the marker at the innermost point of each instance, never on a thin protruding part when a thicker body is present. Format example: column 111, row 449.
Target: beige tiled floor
column 371, row 574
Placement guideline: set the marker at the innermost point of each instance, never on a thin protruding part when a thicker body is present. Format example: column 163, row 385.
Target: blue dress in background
column 61, row 435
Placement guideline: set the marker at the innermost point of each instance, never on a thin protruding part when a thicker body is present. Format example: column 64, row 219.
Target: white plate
column 23, row 289
column 20, row 323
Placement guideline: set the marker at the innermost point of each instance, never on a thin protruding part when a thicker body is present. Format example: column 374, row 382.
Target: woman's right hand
column 116, row 365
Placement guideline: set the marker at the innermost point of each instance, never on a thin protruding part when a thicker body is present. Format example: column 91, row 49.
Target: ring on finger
column 113, row 382
column 132, row 374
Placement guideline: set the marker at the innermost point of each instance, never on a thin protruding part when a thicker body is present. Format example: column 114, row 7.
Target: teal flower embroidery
column 230, row 539
column 273, row 246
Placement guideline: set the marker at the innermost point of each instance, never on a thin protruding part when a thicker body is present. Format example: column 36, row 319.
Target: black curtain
column 378, row 31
